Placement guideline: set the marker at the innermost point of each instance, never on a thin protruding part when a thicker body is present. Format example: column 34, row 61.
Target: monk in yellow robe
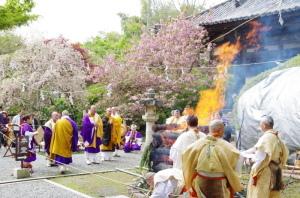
column 48, row 133
column 209, row 166
column 64, row 141
column 180, row 121
column 175, row 117
column 270, row 156
column 109, row 139
column 117, row 129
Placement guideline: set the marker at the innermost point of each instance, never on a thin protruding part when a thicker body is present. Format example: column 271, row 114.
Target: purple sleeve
column 26, row 127
column 87, row 128
column 47, row 137
column 75, row 135
column 139, row 135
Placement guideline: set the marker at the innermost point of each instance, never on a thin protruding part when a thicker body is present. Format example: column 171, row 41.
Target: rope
column 240, row 25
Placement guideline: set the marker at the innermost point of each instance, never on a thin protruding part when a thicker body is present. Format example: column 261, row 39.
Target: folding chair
column 9, row 152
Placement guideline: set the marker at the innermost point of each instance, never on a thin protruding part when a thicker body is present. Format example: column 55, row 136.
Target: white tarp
column 278, row 95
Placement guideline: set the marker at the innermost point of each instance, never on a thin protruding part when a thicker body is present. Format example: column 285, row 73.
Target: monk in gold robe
column 64, row 141
column 183, row 126
column 209, row 166
column 48, row 132
column 109, row 138
column 180, row 121
column 117, row 129
column 175, row 117
column 270, row 155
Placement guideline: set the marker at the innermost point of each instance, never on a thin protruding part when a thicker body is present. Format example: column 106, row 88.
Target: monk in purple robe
column 91, row 132
column 26, row 130
column 133, row 140
column 48, row 131
column 64, row 141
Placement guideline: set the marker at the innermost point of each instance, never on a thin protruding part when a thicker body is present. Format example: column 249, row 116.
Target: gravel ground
column 35, row 189
column 44, row 189
column 7, row 165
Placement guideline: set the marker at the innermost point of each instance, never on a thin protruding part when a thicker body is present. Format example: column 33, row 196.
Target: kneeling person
column 170, row 181
column 133, row 140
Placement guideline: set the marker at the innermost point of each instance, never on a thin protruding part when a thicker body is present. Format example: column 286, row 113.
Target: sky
column 79, row 20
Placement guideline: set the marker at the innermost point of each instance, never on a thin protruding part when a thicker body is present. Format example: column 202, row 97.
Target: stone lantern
column 150, row 117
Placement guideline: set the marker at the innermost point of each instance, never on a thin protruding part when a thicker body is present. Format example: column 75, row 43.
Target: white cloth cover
column 277, row 96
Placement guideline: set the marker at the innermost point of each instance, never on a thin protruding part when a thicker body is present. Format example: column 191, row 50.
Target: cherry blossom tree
column 176, row 48
column 174, row 62
column 38, row 74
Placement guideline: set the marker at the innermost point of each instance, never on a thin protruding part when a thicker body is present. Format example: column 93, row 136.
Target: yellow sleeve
column 100, row 128
column 189, row 163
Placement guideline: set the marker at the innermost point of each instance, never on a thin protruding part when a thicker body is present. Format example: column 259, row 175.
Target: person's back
column 209, row 166
column 16, row 121
column 270, row 155
column 64, row 140
column 213, row 151
column 182, row 142
column 170, row 181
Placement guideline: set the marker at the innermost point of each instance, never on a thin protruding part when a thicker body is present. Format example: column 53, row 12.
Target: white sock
column 87, row 156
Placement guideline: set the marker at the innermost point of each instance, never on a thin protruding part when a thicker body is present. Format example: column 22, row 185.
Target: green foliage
column 157, row 12
column 60, row 104
column 16, row 13
column 9, row 43
column 131, row 26
column 95, row 93
column 187, row 96
column 13, row 110
column 162, row 11
column 145, row 160
column 105, row 44
column 113, row 43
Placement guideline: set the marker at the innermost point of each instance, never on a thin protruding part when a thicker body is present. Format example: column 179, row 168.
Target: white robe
column 171, row 180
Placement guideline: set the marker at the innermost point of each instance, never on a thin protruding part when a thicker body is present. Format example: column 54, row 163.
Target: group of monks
column 206, row 166
column 61, row 137
column 179, row 120
column 99, row 135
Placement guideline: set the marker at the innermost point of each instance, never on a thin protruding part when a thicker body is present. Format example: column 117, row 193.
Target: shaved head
column 54, row 116
column 65, row 113
column 266, row 123
column 93, row 109
column 108, row 111
column 114, row 110
column 216, row 128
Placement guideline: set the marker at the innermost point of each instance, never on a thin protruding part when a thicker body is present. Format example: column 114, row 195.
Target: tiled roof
column 228, row 11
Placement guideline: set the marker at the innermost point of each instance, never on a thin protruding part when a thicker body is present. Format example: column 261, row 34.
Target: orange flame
column 253, row 35
column 212, row 101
